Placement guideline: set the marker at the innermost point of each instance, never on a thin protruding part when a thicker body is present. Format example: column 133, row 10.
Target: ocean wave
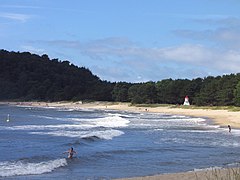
column 178, row 116
column 225, row 144
column 235, row 132
column 206, row 169
column 169, row 120
column 121, row 115
column 51, row 127
column 103, row 128
column 112, row 121
column 49, row 117
column 236, row 164
column 17, row 168
column 91, row 138
column 64, row 109
column 101, row 134
column 185, row 120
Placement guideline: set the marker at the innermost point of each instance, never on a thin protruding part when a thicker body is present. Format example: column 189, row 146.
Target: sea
column 109, row 144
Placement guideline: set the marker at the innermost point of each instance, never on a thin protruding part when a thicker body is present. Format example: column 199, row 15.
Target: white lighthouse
column 186, row 101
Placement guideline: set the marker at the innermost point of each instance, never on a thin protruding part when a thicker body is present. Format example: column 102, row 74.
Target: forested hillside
column 28, row 77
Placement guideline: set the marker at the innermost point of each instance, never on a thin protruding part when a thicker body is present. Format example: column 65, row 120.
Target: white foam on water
column 17, row 168
column 225, row 144
column 111, row 122
column 50, row 117
column 157, row 129
column 105, row 134
column 121, row 115
column 197, row 131
column 236, row 164
column 168, row 122
column 235, row 132
column 75, row 109
column 213, row 126
column 51, row 127
column 207, row 169
column 187, row 120
column 108, row 135
column 103, row 128
column 114, row 121
column 67, row 109
column 178, row 116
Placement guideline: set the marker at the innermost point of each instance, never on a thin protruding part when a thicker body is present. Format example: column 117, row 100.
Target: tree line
column 26, row 76
column 30, row 77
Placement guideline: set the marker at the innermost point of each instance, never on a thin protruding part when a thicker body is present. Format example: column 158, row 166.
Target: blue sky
column 128, row 40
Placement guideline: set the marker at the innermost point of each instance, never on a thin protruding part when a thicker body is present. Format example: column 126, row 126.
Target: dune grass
column 219, row 174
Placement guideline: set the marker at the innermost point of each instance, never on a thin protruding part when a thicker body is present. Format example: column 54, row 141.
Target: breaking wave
column 102, row 128
column 104, row 134
column 17, row 168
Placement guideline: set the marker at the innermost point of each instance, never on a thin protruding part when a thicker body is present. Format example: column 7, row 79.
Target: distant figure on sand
column 229, row 128
column 70, row 153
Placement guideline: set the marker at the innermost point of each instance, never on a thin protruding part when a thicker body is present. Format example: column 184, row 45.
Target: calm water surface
column 110, row 144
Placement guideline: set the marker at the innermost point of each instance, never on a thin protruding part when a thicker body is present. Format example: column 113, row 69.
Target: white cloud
column 15, row 16
column 223, row 21
column 223, row 32
column 152, row 62
column 229, row 61
column 19, row 7
column 32, row 49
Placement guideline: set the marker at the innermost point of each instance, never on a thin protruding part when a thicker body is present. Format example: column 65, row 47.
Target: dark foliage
column 26, row 76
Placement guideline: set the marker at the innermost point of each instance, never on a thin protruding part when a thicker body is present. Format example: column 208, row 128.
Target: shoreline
column 209, row 174
column 223, row 118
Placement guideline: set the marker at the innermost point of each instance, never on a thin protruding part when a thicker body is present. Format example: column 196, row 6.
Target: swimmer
column 70, row 153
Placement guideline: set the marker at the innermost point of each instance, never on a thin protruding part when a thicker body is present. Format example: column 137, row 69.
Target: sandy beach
column 219, row 117
column 211, row 174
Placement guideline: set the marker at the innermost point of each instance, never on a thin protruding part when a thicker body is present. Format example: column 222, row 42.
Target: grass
column 152, row 105
column 221, row 174
column 229, row 108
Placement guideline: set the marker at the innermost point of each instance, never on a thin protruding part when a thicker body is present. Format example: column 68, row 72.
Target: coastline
column 210, row 174
column 222, row 118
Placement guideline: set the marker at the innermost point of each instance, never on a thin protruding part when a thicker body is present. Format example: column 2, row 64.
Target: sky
column 128, row 40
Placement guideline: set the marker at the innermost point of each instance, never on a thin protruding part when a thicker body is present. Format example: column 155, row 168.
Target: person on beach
column 70, row 153
column 229, row 128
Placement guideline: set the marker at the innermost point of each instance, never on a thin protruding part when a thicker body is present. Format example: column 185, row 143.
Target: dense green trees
column 143, row 93
column 172, row 91
column 213, row 91
column 26, row 76
column 120, row 92
column 237, row 94
column 218, row 90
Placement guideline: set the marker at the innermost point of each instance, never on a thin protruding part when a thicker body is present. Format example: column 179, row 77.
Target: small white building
column 186, row 101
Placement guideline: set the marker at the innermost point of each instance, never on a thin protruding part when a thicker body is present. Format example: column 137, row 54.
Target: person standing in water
column 70, row 153
column 8, row 118
column 229, row 128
